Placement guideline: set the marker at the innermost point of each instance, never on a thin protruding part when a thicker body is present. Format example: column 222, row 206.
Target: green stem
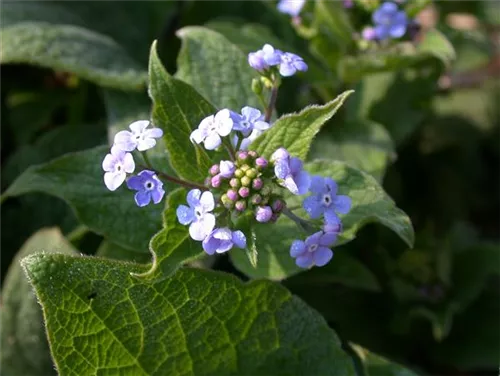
column 77, row 233
column 230, row 149
column 146, row 160
column 304, row 224
column 272, row 102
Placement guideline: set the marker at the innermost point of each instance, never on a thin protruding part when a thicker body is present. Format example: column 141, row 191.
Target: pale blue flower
column 291, row 63
column 198, row 215
column 314, row 251
column 291, row 7
column 148, row 186
column 222, row 240
column 290, row 170
column 140, row 137
column 116, row 165
column 250, row 119
column 212, row 128
column 389, row 21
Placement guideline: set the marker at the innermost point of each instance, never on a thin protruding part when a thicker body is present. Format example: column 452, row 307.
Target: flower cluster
column 269, row 57
column 120, row 162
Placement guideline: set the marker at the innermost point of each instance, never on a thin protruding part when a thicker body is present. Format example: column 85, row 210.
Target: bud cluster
column 246, row 185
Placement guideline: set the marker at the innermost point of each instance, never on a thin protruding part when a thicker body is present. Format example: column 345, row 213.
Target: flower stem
column 230, row 149
column 146, row 159
column 272, row 102
column 304, row 224
column 184, row 183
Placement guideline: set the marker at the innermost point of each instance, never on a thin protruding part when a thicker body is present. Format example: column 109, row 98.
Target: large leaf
column 364, row 144
column 25, row 350
column 295, row 132
column 102, row 319
column 178, row 109
column 218, row 69
column 369, row 204
column 77, row 179
column 375, row 365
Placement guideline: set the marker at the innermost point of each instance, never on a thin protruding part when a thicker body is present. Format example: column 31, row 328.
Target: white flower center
column 245, row 124
column 312, row 248
column 118, row 167
column 198, row 213
column 149, row 185
column 327, row 199
column 286, row 58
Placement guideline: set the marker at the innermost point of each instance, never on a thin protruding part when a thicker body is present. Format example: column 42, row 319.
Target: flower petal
column 303, row 181
column 193, row 197
column 314, row 238
column 185, row 215
column 322, row 256
column 108, row 164
column 305, row 260
column 124, row 140
column 142, row 198
column 287, row 69
column 330, row 216
column 146, row 144
column 157, row 194
column 317, row 184
column 331, row 186
column 201, row 228
column 291, row 185
column 114, row 179
column 281, row 168
column 139, row 126
column 327, row 239
column 313, row 206
column 239, row 239
column 225, row 127
column 207, row 201
column 128, row 163
column 298, row 247
column 210, row 244
column 213, row 141
column 136, row 183
column 296, row 165
column 342, row 204
column 154, row 133
column 196, row 136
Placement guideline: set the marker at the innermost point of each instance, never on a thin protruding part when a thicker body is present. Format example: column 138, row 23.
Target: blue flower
column 264, row 58
column 148, row 186
column 369, row 33
column 222, row 240
column 290, row 170
column 198, row 215
column 325, row 200
column 263, row 214
column 212, row 128
column 249, row 120
column 314, row 251
column 389, row 21
column 116, row 165
column 291, row 7
column 141, row 137
column 227, row 169
column 291, row 63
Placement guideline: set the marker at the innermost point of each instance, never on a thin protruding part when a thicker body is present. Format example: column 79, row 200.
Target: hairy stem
column 272, row 103
column 304, row 224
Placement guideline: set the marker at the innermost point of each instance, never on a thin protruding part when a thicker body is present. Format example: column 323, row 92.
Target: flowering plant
column 279, row 192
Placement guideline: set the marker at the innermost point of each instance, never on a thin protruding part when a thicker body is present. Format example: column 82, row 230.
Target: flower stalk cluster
column 244, row 189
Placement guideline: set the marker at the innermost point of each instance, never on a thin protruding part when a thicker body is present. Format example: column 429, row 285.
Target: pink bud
column 244, row 192
column 214, row 170
column 216, row 181
column 261, row 162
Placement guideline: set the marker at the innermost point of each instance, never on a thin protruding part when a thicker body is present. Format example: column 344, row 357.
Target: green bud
column 267, row 82
column 246, row 181
column 239, row 173
column 256, row 199
column 245, row 168
column 251, row 173
column 235, row 183
column 266, row 190
column 257, row 86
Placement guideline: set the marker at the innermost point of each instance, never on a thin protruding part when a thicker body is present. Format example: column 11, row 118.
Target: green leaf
column 362, row 143
column 25, row 350
column 295, row 132
column 85, row 53
column 217, row 68
column 178, row 109
column 376, row 365
column 369, row 204
column 113, row 251
column 196, row 322
column 435, row 44
column 77, row 179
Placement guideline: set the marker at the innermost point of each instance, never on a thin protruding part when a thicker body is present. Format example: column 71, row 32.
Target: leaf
column 25, row 349
column 435, row 44
column 85, row 53
column 196, row 322
column 295, row 132
column 77, row 179
column 218, row 69
column 178, row 109
column 113, row 251
column 369, row 204
column 376, row 365
column 362, row 143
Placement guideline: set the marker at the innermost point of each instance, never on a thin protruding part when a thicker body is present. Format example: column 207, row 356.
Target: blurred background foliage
column 428, row 128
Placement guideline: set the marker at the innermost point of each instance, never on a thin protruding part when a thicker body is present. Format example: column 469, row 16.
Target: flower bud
column 256, row 199
column 245, row 168
column 263, row 214
column 251, row 173
column 226, row 201
column 216, row 180
column 252, row 154
column 245, row 181
column 257, row 183
column 242, row 156
column 261, row 162
column 275, row 217
column 257, row 86
column 240, row 205
column 266, row 190
column 239, row 173
column 214, row 170
column 232, row 194
column 281, row 153
column 227, row 169
column 333, row 227
column 234, row 182
column 244, row 192
column 278, row 205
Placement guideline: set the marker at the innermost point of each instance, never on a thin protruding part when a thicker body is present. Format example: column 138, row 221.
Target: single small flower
column 348, row 3
column 335, row 226
column 290, row 170
column 291, row 7
column 212, row 128
column 198, row 215
column 116, row 165
column 264, row 58
column 315, row 250
column 325, row 200
column 368, row 33
column 389, row 21
column 291, row 63
column 263, row 214
column 250, row 119
column 140, row 137
column 222, row 240
column 148, row 186
column 227, row 169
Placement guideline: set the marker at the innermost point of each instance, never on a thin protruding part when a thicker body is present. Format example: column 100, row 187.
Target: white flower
column 116, row 165
column 212, row 128
column 140, row 137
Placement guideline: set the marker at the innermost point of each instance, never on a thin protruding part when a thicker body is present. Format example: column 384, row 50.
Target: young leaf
column 178, row 109
column 25, row 350
column 295, row 132
column 77, row 179
column 369, row 204
column 218, row 69
column 195, row 322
